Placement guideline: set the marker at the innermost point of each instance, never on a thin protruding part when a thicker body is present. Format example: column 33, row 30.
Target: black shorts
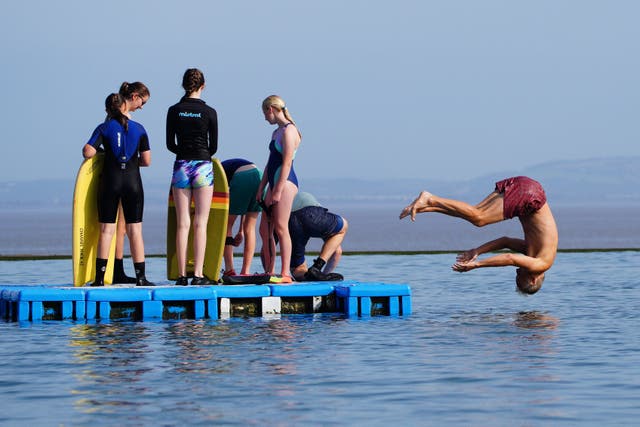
column 311, row 221
column 121, row 185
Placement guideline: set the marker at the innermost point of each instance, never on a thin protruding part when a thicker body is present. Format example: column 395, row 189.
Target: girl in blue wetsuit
column 126, row 147
column 135, row 95
column 283, row 183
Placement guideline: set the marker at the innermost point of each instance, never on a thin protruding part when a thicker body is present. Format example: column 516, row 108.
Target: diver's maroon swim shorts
column 522, row 196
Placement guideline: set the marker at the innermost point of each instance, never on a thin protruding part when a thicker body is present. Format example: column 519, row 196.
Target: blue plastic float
column 60, row 302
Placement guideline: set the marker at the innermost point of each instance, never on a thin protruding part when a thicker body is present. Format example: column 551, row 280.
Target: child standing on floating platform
column 192, row 135
column 126, row 146
column 283, row 184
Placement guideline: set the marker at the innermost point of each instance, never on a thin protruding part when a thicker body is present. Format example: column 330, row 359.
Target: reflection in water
column 541, row 332
column 535, row 320
column 511, row 348
column 112, row 356
column 287, row 334
column 199, row 347
column 536, row 351
column 523, row 336
column 94, row 341
column 130, row 363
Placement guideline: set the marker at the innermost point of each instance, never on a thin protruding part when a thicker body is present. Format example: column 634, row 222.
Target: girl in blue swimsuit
column 283, row 184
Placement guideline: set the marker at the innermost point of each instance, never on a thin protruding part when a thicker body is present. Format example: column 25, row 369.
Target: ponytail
column 127, row 90
column 192, row 80
column 113, row 106
column 278, row 103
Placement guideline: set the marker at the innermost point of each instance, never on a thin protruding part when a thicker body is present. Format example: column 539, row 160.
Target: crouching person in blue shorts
column 309, row 219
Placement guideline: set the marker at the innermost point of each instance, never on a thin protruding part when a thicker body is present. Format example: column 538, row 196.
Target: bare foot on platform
column 421, row 202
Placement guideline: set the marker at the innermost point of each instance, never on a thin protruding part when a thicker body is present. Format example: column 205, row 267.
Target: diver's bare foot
column 421, row 202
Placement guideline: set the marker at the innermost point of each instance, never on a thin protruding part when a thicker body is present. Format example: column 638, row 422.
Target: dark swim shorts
column 522, row 196
column 311, row 221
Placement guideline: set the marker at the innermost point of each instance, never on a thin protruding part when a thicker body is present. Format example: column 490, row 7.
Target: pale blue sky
column 407, row 89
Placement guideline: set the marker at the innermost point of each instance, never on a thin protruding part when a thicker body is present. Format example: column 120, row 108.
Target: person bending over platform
column 309, row 219
column 520, row 197
column 244, row 179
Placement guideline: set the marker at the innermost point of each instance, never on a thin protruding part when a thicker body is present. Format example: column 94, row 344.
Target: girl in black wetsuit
column 126, row 147
column 192, row 135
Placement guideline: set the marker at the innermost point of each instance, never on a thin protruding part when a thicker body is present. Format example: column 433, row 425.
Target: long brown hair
column 192, row 80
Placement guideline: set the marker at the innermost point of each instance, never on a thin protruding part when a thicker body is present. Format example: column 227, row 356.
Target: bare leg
column 331, row 247
column 228, row 249
column 249, row 229
column 134, row 231
column 333, row 261
column 488, row 211
column 119, row 276
column 268, row 250
column 107, row 231
column 182, row 200
column 202, row 197
column 121, row 231
column 280, row 217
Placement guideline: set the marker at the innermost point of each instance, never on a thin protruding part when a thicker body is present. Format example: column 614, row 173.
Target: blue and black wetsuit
column 120, row 180
column 274, row 164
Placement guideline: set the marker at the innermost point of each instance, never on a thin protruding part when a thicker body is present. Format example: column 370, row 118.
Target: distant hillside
column 593, row 181
column 597, row 181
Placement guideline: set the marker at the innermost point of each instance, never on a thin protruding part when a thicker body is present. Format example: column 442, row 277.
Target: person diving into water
column 520, row 197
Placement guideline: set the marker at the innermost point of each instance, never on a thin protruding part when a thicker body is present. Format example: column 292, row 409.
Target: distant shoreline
column 27, row 257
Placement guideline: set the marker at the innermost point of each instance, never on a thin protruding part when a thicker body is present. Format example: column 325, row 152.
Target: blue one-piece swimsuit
column 274, row 164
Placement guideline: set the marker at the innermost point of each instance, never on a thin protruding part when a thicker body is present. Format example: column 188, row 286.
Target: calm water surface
column 474, row 352
column 371, row 228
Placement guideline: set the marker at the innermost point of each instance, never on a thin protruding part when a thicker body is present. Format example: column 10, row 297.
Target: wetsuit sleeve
column 172, row 145
column 213, row 132
column 143, row 144
column 96, row 139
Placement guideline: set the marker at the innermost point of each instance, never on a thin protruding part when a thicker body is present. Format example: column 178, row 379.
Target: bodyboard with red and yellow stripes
column 216, row 230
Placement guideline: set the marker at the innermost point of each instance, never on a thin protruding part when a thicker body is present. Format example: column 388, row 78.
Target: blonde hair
column 278, row 103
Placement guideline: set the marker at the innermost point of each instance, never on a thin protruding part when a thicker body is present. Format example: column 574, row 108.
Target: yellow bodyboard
column 216, row 230
column 85, row 225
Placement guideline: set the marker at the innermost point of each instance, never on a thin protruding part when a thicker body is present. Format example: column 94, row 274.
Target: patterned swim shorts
column 192, row 174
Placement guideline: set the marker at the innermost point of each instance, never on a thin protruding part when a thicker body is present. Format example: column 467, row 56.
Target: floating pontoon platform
column 61, row 302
